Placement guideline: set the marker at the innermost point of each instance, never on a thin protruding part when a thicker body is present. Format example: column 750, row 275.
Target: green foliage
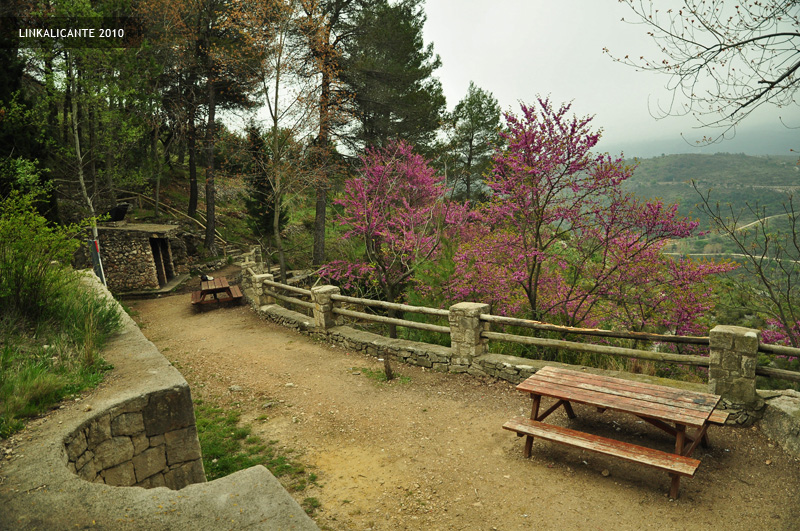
column 34, row 258
column 311, row 504
column 53, row 326
column 229, row 446
column 260, row 200
column 46, row 360
column 388, row 70
column 476, row 125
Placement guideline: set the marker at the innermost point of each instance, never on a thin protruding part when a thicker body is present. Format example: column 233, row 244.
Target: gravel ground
column 429, row 453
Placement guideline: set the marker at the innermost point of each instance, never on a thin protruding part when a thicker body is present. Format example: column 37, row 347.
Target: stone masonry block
column 88, row 471
column 184, row 475
column 99, row 431
column 127, row 424
column 121, row 475
column 150, row 462
column 748, row 343
column 113, row 452
column 137, row 404
column 84, row 458
column 140, row 443
column 168, row 410
column 748, row 369
column 76, row 446
column 732, row 362
column 182, row 445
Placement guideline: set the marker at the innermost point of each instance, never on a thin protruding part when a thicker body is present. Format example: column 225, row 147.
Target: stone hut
column 138, row 256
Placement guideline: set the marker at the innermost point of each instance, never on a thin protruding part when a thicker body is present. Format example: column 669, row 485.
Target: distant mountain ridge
column 737, row 179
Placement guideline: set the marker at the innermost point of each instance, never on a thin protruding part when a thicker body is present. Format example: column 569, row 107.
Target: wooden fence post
column 324, row 317
column 465, row 332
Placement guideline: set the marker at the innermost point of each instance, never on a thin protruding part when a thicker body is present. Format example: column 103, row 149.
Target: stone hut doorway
column 161, row 257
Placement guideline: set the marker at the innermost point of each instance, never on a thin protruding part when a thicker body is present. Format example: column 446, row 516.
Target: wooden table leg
column 534, row 414
column 673, row 488
column 680, row 438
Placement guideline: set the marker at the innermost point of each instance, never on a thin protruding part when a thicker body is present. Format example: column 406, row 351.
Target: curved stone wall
column 136, row 428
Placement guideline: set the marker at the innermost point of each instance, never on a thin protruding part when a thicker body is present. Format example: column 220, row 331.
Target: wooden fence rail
column 484, row 334
column 600, row 349
column 392, row 306
column 392, row 320
column 639, row 336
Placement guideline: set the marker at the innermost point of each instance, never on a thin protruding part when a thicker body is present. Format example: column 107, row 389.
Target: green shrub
column 52, row 325
column 34, row 257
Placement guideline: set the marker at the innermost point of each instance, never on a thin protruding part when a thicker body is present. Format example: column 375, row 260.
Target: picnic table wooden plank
column 620, row 403
column 673, row 463
column 690, row 403
column 218, row 283
column 701, row 400
column 701, row 411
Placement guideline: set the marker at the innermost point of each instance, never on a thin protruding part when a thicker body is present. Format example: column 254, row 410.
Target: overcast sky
column 517, row 49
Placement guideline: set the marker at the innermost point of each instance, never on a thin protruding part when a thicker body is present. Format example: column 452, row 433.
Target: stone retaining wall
column 137, row 428
column 149, row 441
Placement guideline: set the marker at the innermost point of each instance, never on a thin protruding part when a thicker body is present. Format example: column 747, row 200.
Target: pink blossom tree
column 395, row 207
column 561, row 236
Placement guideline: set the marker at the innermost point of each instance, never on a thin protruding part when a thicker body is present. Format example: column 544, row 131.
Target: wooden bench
column 236, row 292
column 718, row 417
column 196, row 296
column 674, row 464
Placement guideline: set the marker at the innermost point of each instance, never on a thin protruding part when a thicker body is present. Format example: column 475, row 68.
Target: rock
column 235, row 389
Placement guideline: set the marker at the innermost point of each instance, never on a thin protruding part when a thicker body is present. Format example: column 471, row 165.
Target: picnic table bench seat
column 718, row 416
column 668, row 462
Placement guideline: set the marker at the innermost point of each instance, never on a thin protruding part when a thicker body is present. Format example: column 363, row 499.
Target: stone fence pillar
column 324, row 317
column 263, row 298
column 732, row 367
column 465, row 332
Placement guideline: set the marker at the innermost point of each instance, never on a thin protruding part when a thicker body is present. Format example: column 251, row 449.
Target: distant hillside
column 732, row 178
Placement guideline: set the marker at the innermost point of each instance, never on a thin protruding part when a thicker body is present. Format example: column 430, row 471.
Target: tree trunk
column 156, row 162
column 318, row 256
column 387, row 368
column 192, row 147
column 92, row 116
column 210, row 241
column 276, row 229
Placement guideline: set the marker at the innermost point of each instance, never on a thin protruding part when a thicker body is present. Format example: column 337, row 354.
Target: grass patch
column 310, row 505
column 47, row 360
column 229, row 446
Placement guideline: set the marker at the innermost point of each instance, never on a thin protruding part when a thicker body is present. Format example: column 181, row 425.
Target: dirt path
column 430, row 453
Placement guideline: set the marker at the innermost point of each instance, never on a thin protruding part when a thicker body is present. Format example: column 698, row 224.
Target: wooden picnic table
column 216, row 290
column 675, row 411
